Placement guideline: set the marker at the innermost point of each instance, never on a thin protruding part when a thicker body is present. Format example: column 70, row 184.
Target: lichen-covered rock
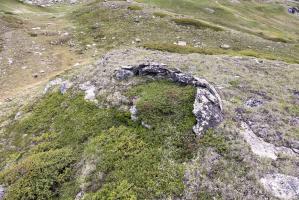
column 207, row 114
column 281, row 186
column 2, row 190
column 207, row 104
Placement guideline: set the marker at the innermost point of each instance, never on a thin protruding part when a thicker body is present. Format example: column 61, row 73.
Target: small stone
column 8, row 99
column 146, row 125
column 136, row 20
column 138, row 40
column 182, row 43
column 210, row 10
column 253, row 102
column 225, row 46
column 35, row 75
column 123, row 74
column 18, row 115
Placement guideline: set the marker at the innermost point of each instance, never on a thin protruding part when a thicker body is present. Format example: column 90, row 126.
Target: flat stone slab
column 262, row 148
column 281, row 186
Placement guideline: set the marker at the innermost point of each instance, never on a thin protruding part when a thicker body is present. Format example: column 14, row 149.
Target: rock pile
column 207, row 106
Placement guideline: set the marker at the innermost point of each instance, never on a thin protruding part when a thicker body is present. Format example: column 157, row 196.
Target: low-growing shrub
column 39, row 176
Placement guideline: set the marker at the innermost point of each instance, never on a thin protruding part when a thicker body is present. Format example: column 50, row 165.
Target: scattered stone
column 138, row 40
column 210, row 10
column 18, row 115
column 8, row 99
column 182, row 43
column 136, row 20
column 89, row 90
column 64, row 85
column 281, row 186
column 133, row 110
column 145, row 125
column 123, row 74
column 35, row 75
column 10, row 61
column 207, row 104
column 225, row 46
column 253, row 102
column 79, row 196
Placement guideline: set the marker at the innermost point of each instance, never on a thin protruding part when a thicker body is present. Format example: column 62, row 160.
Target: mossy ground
column 137, row 163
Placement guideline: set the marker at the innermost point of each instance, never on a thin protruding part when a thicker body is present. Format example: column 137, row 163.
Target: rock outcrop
column 207, row 106
column 281, row 186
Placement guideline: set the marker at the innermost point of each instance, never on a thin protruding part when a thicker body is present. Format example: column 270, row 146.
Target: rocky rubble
column 48, row 2
column 207, row 106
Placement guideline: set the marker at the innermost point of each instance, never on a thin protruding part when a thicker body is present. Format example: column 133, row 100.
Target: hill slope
column 99, row 100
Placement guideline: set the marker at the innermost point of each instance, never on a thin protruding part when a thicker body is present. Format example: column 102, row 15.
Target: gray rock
column 210, row 10
column 79, row 196
column 123, row 74
column 145, row 125
column 134, row 111
column 2, row 192
column 182, row 43
column 89, row 90
column 253, row 102
column 207, row 104
column 281, row 186
column 207, row 114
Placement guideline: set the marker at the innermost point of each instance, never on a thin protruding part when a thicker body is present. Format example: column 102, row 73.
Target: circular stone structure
column 207, row 106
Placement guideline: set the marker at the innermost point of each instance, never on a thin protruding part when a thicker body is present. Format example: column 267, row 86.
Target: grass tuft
column 135, row 7
column 160, row 14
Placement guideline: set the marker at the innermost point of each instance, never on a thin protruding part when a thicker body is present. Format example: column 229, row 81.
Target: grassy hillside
column 266, row 20
column 64, row 146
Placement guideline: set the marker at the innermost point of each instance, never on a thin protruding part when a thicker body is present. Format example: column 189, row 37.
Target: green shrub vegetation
column 137, row 163
column 40, row 175
column 211, row 139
